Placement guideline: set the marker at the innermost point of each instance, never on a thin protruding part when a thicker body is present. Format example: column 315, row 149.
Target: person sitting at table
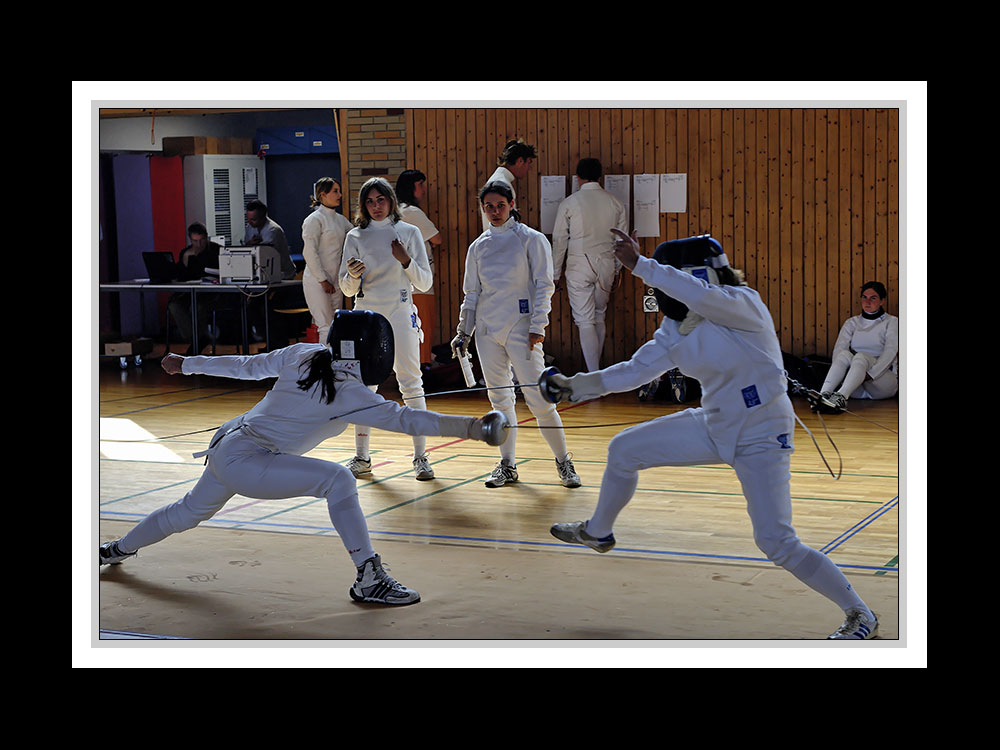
column 200, row 254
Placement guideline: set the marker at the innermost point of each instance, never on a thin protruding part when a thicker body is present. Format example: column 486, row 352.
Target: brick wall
column 376, row 146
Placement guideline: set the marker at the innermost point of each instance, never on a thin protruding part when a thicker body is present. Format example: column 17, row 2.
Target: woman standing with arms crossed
column 384, row 260
column 508, row 295
column 323, row 233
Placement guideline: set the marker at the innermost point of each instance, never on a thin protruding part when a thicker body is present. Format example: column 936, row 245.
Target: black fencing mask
column 364, row 336
column 699, row 256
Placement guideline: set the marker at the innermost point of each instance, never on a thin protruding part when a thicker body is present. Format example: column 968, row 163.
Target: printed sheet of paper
column 673, row 193
column 618, row 186
column 553, row 192
column 646, row 204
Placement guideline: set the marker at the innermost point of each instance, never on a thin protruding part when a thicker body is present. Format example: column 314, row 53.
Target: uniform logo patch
column 402, row 294
column 783, row 441
column 523, row 305
column 750, row 397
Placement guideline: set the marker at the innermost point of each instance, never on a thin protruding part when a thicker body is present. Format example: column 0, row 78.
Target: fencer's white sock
column 555, row 438
column 352, row 528
column 591, row 347
column 617, row 489
column 821, row 574
column 361, row 437
column 419, row 441
column 509, row 447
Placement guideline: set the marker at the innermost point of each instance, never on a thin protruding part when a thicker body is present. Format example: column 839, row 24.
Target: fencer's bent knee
column 784, row 550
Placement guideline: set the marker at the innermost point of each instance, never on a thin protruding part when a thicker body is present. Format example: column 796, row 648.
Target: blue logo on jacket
column 750, row 397
column 783, row 441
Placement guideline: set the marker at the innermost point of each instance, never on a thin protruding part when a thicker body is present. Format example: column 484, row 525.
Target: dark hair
column 322, row 186
column 516, row 149
column 878, row 286
column 320, row 371
column 256, row 205
column 589, row 168
column 198, row 228
column 381, row 186
column 501, row 188
column 405, row 183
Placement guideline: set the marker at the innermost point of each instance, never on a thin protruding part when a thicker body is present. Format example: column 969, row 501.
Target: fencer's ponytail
column 320, row 371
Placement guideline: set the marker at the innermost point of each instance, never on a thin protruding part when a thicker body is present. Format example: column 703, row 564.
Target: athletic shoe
column 374, row 584
column 857, row 626
column 503, row 473
column 567, row 473
column 832, row 402
column 575, row 533
column 647, row 391
column 360, row 467
column 422, row 468
column 109, row 554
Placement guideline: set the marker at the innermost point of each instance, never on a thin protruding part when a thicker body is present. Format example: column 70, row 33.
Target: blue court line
column 520, row 542
column 829, row 547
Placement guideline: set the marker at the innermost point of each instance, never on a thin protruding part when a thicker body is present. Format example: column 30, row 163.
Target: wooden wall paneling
column 819, row 226
column 737, row 251
column 807, row 228
column 772, row 247
column 892, row 189
column 832, row 227
column 798, row 291
column 881, row 202
column 727, row 191
column 858, row 249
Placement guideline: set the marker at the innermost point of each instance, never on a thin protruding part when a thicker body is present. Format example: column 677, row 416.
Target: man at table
column 199, row 255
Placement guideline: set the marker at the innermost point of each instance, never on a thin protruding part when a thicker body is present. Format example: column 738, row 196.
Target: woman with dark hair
column 411, row 190
column 384, row 261
column 866, row 354
column 260, row 453
column 508, row 289
column 323, row 233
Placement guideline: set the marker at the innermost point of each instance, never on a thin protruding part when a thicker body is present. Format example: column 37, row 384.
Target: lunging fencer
column 508, row 295
column 384, row 260
column 320, row 390
column 717, row 330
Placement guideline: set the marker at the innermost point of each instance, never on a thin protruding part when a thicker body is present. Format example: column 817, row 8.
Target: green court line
column 893, row 563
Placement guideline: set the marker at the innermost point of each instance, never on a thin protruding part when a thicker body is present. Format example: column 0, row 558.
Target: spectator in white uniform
column 718, row 330
column 508, row 295
column 581, row 239
column 411, row 191
column 260, row 454
column 384, row 260
column 323, row 233
column 514, row 162
column 865, row 361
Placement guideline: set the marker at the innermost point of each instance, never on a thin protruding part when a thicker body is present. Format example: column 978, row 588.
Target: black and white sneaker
column 503, row 473
column 858, row 626
column 832, row 402
column 567, row 473
column 374, row 584
column 360, row 467
column 109, row 554
column 576, row 533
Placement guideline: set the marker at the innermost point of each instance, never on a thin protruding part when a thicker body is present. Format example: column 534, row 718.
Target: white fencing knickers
column 496, row 360
column 238, row 465
column 588, row 283
column 848, row 376
column 406, row 334
column 762, row 465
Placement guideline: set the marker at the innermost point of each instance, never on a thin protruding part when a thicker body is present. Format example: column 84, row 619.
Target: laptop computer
column 161, row 267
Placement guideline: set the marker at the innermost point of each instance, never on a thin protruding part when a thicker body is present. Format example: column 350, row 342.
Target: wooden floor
column 681, row 524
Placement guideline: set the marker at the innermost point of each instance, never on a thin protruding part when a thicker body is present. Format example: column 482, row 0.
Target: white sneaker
column 503, row 473
column 374, row 584
column 109, row 554
column 360, row 467
column 422, row 468
column 567, row 473
column 857, row 626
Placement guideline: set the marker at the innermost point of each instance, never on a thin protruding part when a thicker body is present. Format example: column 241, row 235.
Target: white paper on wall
column 673, row 193
column 646, row 204
column 553, row 192
column 618, row 186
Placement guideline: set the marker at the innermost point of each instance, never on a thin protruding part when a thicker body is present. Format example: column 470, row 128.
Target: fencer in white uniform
column 581, row 240
column 323, row 233
column 260, row 454
column 384, row 259
column 865, row 361
column 508, row 295
column 723, row 335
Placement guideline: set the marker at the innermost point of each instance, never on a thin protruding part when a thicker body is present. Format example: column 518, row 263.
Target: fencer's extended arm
column 728, row 306
column 249, row 367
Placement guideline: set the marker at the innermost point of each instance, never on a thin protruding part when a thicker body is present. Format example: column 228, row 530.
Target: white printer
column 259, row 264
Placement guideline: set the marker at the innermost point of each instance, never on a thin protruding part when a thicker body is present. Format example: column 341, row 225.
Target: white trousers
column 240, row 466
column 497, row 360
column 848, row 376
column 321, row 305
column 762, row 465
column 406, row 334
column 588, row 283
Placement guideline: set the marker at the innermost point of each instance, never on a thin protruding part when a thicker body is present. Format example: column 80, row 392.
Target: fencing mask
column 366, row 337
column 698, row 256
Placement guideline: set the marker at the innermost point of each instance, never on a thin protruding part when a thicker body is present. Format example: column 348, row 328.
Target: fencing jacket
column 734, row 353
column 508, row 279
column 582, row 227
column 386, row 283
column 878, row 338
column 323, row 233
column 290, row 420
